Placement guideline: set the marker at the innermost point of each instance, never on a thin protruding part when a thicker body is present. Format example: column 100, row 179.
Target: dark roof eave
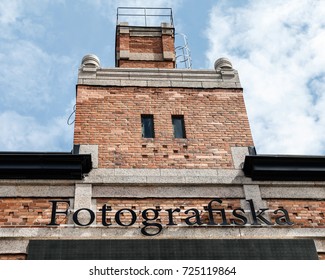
column 39, row 165
column 285, row 168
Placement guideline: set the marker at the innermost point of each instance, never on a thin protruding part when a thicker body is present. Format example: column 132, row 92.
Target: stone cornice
column 145, row 77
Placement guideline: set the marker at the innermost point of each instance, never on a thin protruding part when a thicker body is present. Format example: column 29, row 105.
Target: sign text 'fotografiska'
column 152, row 226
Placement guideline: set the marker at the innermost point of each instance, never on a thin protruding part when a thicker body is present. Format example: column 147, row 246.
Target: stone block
column 158, row 83
column 188, row 172
column 133, row 83
column 136, row 172
column 169, row 55
column 166, row 180
column 37, row 191
column 320, row 245
column 186, row 84
column 291, row 192
column 238, row 156
column 198, row 180
column 90, row 149
column 13, row 246
column 124, row 54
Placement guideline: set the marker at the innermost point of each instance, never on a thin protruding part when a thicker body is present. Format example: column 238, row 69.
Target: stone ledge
column 300, row 192
column 189, row 176
column 37, row 191
column 166, row 176
column 147, row 172
column 167, row 232
column 158, row 77
column 169, row 191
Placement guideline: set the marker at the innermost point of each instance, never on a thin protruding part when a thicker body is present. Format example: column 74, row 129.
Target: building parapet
column 222, row 77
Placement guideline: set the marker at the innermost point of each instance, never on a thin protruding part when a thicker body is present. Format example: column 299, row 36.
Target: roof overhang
column 25, row 165
column 285, row 168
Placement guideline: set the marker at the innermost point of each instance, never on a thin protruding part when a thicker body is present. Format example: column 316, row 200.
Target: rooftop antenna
column 183, row 53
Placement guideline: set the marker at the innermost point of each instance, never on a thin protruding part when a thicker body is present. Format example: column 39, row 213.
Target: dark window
column 179, row 126
column 147, row 126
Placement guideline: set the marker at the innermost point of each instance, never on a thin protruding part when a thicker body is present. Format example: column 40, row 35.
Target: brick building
column 162, row 158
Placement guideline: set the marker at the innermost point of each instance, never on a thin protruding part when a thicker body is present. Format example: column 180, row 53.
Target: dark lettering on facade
column 152, row 225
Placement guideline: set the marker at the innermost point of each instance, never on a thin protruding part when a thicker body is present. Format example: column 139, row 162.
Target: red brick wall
column 13, row 257
column 303, row 213
column 215, row 120
column 145, row 45
column 122, row 42
column 22, row 212
column 168, row 43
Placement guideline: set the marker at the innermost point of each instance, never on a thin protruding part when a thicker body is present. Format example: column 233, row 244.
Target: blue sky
column 277, row 47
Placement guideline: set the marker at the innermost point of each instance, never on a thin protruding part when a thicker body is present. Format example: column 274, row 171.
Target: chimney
column 143, row 46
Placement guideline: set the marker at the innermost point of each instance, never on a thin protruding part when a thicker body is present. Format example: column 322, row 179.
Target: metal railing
column 136, row 16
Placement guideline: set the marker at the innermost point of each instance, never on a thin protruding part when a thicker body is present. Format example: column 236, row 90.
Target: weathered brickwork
column 303, row 213
column 215, row 121
column 13, row 257
column 138, row 205
column 26, row 212
column 146, row 45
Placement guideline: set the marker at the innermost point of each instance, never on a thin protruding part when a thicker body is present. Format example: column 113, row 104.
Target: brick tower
column 145, row 113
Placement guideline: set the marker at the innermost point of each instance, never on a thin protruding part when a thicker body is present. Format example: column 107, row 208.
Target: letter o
column 75, row 217
column 118, row 220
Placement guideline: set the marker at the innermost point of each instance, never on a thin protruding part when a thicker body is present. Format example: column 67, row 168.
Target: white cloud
column 25, row 133
column 9, row 11
column 278, row 48
column 35, row 84
column 24, row 74
column 15, row 18
column 28, row 74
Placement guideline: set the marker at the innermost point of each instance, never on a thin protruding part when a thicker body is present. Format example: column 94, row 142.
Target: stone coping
column 158, row 77
column 184, row 232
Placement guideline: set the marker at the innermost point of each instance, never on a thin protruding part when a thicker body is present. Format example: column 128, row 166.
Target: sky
column 277, row 46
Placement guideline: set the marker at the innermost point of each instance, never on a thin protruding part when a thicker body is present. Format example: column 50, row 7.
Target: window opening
column 147, row 126
column 178, row 126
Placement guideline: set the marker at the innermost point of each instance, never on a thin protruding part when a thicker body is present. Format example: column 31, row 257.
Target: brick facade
column 36, row 212
column 215, row 121
column 303, row 213
column 32, row 213
column 27, row 212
